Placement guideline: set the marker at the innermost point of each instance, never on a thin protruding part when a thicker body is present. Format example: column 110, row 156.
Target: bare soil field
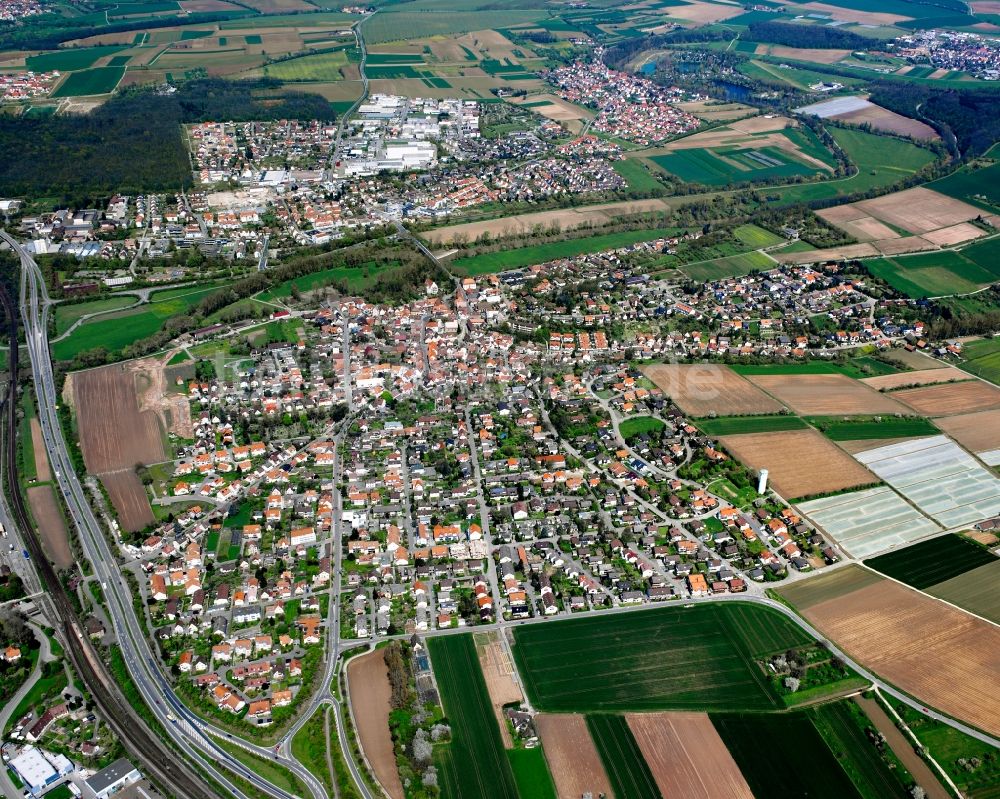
column 368, row 684
column 801, row 462
column 919, row 210
column 923, row 377
column 867, row 228
column 818, row 56
column 891, row 122
column 501, row 682
column 943, row 656
column 42, row 471
column 864, row 250
column 863, row 445
column 156, row 395
column 955, row 234
column 558, row 109
column 852, row 15
column 702, row 389
column 687, row 757
column 826, row 395
column 985, row 6
column 492, row 44
column 714, row 111
column 567, row 218
column 703, row 13
column 278, row 6
column 572, row 757
column 51, row 525
column 903, row 749
column 951, row 399
column 740, row 132
column 115, row 435
column 903, row 244
column 978, row 432
column 984, row 537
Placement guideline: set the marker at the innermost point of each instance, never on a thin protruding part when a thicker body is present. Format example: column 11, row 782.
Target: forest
column 133, row 143
column 814, row 36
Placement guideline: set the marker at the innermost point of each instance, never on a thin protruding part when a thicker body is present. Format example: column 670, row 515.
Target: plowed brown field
column 951, row 399
column 942, row 656
column 801, row 462
column 924, row 377
column 974, row 431
column 51, row 525
column 687, row 757
column 572, row 757
column 498, row 671
column 368, row 683
column 702, row 389
column 826, row 395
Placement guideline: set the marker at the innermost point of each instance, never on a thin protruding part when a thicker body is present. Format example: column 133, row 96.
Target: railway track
column 156, row 760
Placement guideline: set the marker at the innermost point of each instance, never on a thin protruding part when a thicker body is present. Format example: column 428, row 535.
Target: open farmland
column 930, row 562
column 624, row 763
column 368, row 683
column 977, row 432
column 950, row 399
column 976, row 185
column 859, row 111
column 946, row 658
column 801, row 743
column 701, row 657
column 501, row 681
column 918, row 210
column 870, row 521
column 875, row 428
column 826, row 395
column 474, row 762
column 113, row 443
column 735, row 425
column 703, row 389
column 975, row 590
column 99, row 80
column 572, row 757
column 982, row 358
column 395, row 25
column 922, row 377
column 801, row 463
column 687, row 757
column 936, row 274
column 939, row 477
column 51, row 525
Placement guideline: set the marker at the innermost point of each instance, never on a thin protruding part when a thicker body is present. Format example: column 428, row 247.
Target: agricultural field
column 623, row 761
column 99, row 80
column 686, row 756
column 402, row 24
column 700, row 390
column 931, row 562
column 801, row 463
column 858, row 366
column 700, row 657
column 977, row 432
column 939, row 478
column 318, row 67
column 540, row 253
column 838, row 428
column 866, row 522
column 730, row 266
column 638, row 177
column 950, row 399
column 735, row 425
column 933, row 274
column 70, row 60
column 824, row 778
column 825, row 394
column 922, row 377
column 368, row 683
column 859, row 111
column 757, row 237
column 474, row 763
column 531, row 773
column 573, row 759
column 911, row 641
column 975, row 591
column 977, row 183
column 982, row 358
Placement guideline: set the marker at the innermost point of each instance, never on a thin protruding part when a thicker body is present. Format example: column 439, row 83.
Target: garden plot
column 939, row 477
column 866, row 522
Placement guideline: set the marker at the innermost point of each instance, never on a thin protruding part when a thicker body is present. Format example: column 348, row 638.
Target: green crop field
column 540, row 253
column 858, row 367
column 634, row 171
column 713, row 167
column 318, row 67
column 474, row 763
column 112, row 333
column 694, row 658
column 639, row 425
column 70, row 59
column 354, row 277
column 930, row 562
column 392, row 71
column 811, row 770
column 842, row 725
column 974, row 590
column 391, row 25
column 981, row 186
column 757, row 237
column 66, row 315
column 733, row 425
column 939, row 273
column 531, row 773
column 840, row 429
column 99, row 80
column 983, row 359
column 384, row 59
column 623, row 761
column 985, row 254
column 730, row 266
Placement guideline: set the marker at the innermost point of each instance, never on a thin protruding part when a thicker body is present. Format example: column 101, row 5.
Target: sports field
column 812, row 769
column 697, row 658
column 99, row 80
column 474, row 763
column 540, row 253
column 623, row 761
column 734, row 425
column 931, row 562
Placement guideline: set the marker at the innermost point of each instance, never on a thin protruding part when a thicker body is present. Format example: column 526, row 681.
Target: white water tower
column 762, row 483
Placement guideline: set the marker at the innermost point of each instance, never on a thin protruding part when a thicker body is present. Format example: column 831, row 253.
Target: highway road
column 189, row 733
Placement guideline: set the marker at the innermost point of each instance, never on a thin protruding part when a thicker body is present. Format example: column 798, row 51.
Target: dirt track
column 368, row 683
column 687, row 757
column 572, row 757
